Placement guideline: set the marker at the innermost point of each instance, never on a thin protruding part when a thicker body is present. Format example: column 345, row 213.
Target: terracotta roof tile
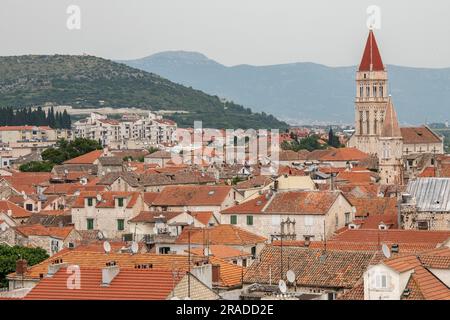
column 313, row 267
column 416, row 135
column 223, row 234
column 107, row 198
column 393, row 236
column 129, row 284
column 40, row 230
column 302, row 202
column 192, row 196
column 16, row 211
column 344, row 154
column 88, row 158
column 254, row 206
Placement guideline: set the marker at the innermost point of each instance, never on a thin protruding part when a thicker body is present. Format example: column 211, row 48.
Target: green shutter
column 120, row 224
column 90, row 201
column 90, row 224
column 233, row 219
column 250, row 220
column 120, row 200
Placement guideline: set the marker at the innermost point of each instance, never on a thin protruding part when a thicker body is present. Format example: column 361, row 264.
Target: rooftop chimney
column 21, row 267
column 215, row 273
column 55, row 266
column 109, row 273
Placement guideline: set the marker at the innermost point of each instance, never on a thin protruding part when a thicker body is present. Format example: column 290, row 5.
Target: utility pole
column 189, row 263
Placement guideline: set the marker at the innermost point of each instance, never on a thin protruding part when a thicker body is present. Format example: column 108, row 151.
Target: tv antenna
column 386, row 251
column 282, row 286
column 290, row 276
column 106, row 247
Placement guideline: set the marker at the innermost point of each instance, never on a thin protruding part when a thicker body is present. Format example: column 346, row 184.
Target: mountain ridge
column 89, row 81
column 304, row 91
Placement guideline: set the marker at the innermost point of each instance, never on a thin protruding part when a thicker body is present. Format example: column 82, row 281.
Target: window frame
column 89, row 223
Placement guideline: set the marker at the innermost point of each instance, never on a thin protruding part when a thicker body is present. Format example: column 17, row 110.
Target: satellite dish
column 100, row 235
column 134, row 247
column 290, row 276
column 282, row 286
column 386, row 251
column 99, row 198
column 106, row 247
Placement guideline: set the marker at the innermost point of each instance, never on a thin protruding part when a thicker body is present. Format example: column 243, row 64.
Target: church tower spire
column 390, row 148
column 371, row 98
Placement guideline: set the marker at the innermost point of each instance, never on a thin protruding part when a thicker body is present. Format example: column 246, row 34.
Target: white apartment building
column 130, row 132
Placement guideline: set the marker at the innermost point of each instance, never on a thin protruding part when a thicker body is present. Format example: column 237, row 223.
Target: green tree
column 65, row 150
column 36, row 166
column 9, row 256
column 333, row 140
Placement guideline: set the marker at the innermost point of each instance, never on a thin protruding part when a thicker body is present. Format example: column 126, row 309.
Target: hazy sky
column 258, row 32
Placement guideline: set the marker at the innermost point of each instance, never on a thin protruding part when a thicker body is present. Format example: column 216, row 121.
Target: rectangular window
column 120, row 202
column 253, row 252
column 422, row 225
column 120, row 225
column 347, row 218
column 233, row 219
column 249, row 220
column 90, row 224
column 29, row 207
column 381, row 281
column 90, row 202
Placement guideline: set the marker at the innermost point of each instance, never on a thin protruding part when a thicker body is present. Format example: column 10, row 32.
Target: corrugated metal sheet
column 431, row 194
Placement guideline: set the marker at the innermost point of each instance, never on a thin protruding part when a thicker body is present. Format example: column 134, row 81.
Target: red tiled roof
column 149, row 216
column 223, row 234
column 129, row 284
column 428, row 172
column 416, row 135
column 302, row 202
column 108, row 198
column 16, row 211
column 371, row 60
column 202, row 216
column 192, row 196
column 312, row 267
column 221, row 252
column 356, row 176
column 356, row 245
column 149, row 197
column 344, row 154
column 18, row 128
column 254, row 206
column 88, row 158
column 393, row 236
column 40, row 230
column 370, row 206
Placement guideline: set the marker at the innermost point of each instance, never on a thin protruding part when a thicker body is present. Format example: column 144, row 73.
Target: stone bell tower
column 371, row 98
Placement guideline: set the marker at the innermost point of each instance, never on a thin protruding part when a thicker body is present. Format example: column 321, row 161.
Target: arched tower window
column 375, row 122
column 368, row 122
column 361, row 120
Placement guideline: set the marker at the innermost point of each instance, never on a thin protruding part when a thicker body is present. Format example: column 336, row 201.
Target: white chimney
column 55, row 266
column 109, row 273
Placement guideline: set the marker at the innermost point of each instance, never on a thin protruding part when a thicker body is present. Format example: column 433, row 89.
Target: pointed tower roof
column 371, row 60
column 391, row 129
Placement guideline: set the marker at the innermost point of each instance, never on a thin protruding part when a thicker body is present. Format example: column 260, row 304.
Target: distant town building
column 130, row 132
